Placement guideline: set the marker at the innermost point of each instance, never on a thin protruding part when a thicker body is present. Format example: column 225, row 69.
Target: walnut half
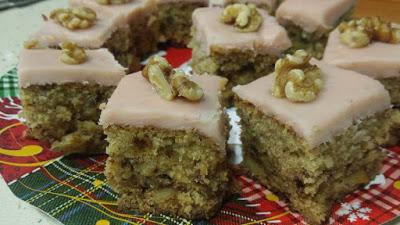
column 72, row 54
column 358, row 33
column 170, row 83
column 74, row 18
column 296, row 79
column 244, row 17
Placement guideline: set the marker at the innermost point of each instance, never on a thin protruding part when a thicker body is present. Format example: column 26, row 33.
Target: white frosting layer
column 270, row 39
column 136, row 103
column 312, row 15
column 377, row 60
column 109, row 19
column 346, row 97
column 41, row 67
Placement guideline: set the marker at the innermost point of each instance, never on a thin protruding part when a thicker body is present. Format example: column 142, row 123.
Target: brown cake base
column 181, row 173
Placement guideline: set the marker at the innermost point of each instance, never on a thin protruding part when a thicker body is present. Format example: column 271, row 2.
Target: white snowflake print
column 353, row 211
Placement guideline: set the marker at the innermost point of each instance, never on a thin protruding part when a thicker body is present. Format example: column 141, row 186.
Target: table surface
column 16, row 26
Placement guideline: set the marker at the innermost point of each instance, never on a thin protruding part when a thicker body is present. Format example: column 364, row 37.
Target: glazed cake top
column 43, row 66
column 109, row 19
column 147, row 108
column 346, row 97
column 128, row 11
column 377, row 60
column 270, row 39
column 313, row 15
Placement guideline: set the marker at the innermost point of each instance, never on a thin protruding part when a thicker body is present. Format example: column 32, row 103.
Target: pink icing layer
column 136, row 103
column 41, row 67
column 270, row 39
column 377, row 60
column 110, row 18
column 312, row 15
column 346, row 98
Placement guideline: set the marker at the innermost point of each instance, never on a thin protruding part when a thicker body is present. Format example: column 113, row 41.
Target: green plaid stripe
column 9, row 84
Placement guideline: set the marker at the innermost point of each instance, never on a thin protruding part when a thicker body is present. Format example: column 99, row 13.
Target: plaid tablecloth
column 74, row 190
column 9, row 84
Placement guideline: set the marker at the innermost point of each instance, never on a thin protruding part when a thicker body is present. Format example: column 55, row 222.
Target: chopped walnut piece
column 359, row 33
column 74, row 18
column 296, row 79
column 245, row 17
column 112, row 2
column 160, row 82
column 168, row 82
column 185, row 87
column 33, row 44
column 72, row 54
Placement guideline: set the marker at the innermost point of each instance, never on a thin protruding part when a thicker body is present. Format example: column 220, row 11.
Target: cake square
column 309, row 22
column 218, row 48
column 315, row 153
column 118, row 28
column 61, row 102
column 166, row 156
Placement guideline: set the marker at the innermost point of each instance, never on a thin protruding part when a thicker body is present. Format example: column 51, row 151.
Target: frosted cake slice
column 309, row 22
column 314, row 153
column 221, row 49
column 118, row 28
column 61, row 101
column 166, row 156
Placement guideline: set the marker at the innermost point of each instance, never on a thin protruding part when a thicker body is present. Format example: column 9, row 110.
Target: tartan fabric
column 9, row 84
column 74, row 190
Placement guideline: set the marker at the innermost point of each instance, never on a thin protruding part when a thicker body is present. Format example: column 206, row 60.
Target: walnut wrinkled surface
column 112, row 2
column 244, row 17
column 72, row 54
column 296, row 79
column 74, row 18
column 185, row 87
column 358, row 33
column 170, row 83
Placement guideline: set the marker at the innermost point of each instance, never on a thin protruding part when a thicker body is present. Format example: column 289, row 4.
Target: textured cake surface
column 338, row 105
column 66, row 115
column 182, row 173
